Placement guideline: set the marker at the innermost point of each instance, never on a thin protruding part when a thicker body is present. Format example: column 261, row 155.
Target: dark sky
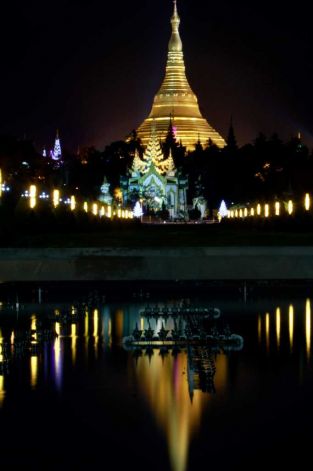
column 91, row 68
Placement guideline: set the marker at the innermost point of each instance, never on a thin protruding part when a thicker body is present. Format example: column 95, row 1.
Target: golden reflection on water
column 58, row 356
column 119, row 319
column 86, row 331
column 33, row 371
column 34, row 326
column 278, row 326
column 74, row 342
column 267, row 331
column 165, row 385
column 308, row 327
column 2, row 389
column 86, row 323
column 291, row 321
column 96, row 329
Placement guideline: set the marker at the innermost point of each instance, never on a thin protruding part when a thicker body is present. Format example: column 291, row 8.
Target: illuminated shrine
column 155, row 181
column 175, row 100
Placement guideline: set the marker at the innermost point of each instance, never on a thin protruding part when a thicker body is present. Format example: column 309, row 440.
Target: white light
column 137, row 212
column 223, row 211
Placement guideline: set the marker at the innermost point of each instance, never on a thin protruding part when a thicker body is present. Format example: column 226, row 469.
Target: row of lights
column 267, row 210
column 97, row 209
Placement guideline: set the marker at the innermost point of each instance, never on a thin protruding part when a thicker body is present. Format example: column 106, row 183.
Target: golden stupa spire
column 176, row 98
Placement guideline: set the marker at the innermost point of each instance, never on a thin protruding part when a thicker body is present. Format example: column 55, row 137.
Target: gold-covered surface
column 175, row 100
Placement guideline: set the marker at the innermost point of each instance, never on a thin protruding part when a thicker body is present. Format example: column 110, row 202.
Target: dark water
column 84, row 402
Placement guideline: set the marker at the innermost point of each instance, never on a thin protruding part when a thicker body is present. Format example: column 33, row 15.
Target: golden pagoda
column 176, row 102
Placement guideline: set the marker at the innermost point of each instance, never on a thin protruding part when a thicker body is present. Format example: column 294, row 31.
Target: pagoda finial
column 175, row 44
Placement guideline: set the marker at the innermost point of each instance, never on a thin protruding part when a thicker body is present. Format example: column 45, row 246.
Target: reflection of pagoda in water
column 201, row 370
column 178, row 371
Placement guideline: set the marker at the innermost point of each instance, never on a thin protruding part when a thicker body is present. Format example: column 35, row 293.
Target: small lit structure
column 266, row 210
column 73, row 203
column 223, row 211
column 258, row 209
column 277, row 208
column 95, row 209
column 56, row 198
column 307, row 202
column 156, row 181
column 290, row 207
column 109, row 212
column 32, row 196
column 138, row 212
column 0, row 182
column 252, row 212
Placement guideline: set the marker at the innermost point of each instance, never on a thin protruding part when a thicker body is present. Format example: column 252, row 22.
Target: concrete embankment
column 156, row 264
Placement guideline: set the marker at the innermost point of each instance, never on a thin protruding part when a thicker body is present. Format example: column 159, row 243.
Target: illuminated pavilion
column 155, row 181
column 175, row 100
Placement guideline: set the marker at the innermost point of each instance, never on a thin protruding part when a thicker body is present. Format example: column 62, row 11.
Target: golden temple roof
column 175, row 100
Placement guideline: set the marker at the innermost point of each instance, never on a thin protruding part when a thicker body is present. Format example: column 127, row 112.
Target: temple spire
column 176, row 94
column 175, row 44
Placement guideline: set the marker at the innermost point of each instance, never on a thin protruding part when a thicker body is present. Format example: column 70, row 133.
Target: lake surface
column 82, row 401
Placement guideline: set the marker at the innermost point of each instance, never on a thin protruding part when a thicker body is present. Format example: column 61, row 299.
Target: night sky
column 91, row 68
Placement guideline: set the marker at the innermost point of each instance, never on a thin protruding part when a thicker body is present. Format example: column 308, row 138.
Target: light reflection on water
column 174, row 396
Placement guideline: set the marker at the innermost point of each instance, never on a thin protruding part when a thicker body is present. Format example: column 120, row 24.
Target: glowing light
column 166, row 390
column 58, row 357
column 73, row 203
column 2, row 390
column 138, row 212
column 307, row 202
column 267, row 331
column 252, row 212
column 74, row 342
column 56, row 198
column 33, row 371
column 119, row 213
column 291, row 325
column 109, row 213
column 0, row 182
column 223, row 211
column 86, row 323
column 308, row 327
column 102, row 212
column 290, row 207
column 245, row 213
column 266, row 210
column 95, row 209
column 86, row 207
column 278, row 326
column 258, row 209
column 277, row 208
column 240, row 213
column 34, row 328
column 96, row 323
column 32, row 196
column 236, row 213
